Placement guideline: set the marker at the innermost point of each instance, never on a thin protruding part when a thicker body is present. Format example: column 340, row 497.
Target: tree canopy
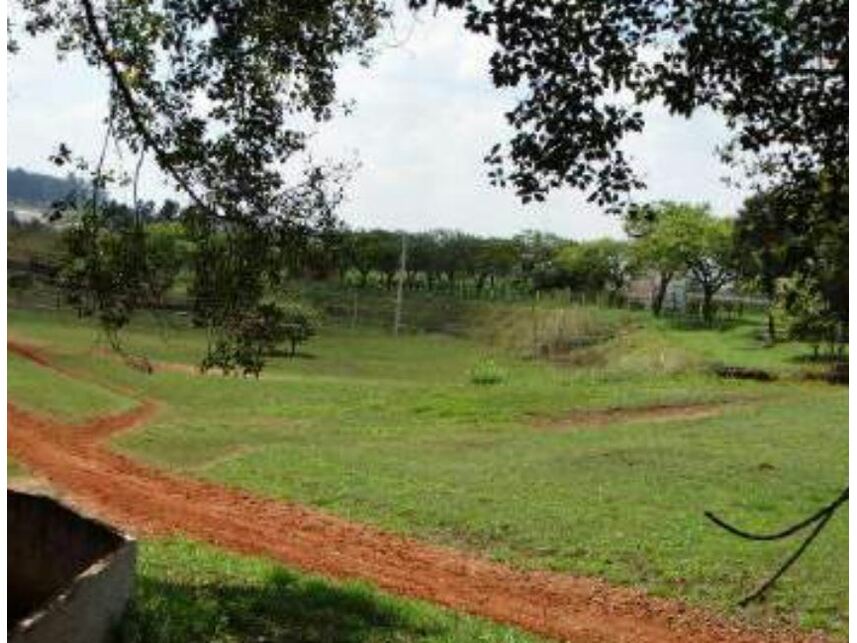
column 778, row 71
column 216, row 92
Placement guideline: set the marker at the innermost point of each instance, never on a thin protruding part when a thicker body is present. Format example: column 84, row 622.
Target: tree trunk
column 661, row 293
column 772, row 329
column 707, row 305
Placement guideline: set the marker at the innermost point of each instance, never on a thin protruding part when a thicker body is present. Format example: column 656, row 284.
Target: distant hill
column 40, row 190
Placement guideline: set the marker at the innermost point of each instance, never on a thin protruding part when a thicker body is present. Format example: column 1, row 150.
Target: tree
column 297, row 325
column 422, row 258
column 711, row 260
column 167, row 252
column 765, row 249
column 662, row 242
column 258, row 65
column 375, row 250
column 454, row 256
column 810, row 318
column 169, row 210
column 495, row 258
column 104, row 268
column 585, row 69
column 682, row 238
column 536, row 252
column 799, row 237
column 595, row 266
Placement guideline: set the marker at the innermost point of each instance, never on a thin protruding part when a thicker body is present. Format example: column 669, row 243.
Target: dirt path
column 143, row 499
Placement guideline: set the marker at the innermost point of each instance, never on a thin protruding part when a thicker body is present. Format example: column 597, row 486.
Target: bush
column 251, row 335
column 486, row 372
column 295, row 323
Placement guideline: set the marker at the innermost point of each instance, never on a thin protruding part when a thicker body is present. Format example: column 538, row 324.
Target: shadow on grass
column 283, row 607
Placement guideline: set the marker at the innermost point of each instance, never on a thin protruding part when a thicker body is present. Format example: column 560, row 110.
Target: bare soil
column 625, row 414
column 142, row 499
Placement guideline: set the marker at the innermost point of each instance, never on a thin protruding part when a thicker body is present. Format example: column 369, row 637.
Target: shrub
column 296, row 323
column 486, row 372
column 251, row 335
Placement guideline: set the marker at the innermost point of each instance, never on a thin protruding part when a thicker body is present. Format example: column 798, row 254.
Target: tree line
column 800, row 270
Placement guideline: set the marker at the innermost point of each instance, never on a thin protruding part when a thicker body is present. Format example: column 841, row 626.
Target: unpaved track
column 143, row 499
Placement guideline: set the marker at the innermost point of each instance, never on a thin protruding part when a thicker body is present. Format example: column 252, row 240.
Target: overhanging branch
column 127, row 98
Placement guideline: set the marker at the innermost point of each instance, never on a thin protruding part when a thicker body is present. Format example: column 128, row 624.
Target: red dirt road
column 143, row 499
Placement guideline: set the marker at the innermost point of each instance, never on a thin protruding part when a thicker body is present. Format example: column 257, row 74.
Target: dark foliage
column 778, row 71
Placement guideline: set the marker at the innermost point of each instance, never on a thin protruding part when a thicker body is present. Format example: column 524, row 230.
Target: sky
column 426, row 114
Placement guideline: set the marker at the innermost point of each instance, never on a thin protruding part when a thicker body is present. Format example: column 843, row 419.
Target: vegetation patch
column 36, row 387
column 486, row 372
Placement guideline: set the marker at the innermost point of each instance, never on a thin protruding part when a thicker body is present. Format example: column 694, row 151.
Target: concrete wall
column 70, row 577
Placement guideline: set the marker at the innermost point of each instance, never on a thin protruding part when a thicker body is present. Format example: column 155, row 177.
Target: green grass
column 187, row 591
column 393, row 432
column 14, row 469
column 63, row 396
column 739, row 345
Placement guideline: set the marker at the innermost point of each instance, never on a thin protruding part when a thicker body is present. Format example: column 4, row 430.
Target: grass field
column 187, row 591
column 393, row 432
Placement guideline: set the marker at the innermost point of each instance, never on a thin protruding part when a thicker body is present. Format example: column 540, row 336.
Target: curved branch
column 135, row 185
column 96, row 179
column 127, row 97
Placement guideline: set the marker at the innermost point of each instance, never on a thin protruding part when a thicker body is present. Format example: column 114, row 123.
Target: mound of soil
column 744, row 373
column 837, row 374
column 624, row 414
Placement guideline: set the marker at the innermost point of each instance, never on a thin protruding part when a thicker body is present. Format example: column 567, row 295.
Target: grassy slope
column 66, row 397
column 393, row 433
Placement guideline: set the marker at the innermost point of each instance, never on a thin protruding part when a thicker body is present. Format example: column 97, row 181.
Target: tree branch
column 127, row 97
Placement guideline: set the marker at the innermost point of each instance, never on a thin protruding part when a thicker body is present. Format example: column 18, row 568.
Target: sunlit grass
column 394, row 432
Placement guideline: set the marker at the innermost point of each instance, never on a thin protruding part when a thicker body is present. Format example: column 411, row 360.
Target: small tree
column 811, row 319
column 660, row 242
column 686, row 238
column 595, row 266
column 243, row 341
column 167, row 252
column 712, row 260
column 296, row 324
